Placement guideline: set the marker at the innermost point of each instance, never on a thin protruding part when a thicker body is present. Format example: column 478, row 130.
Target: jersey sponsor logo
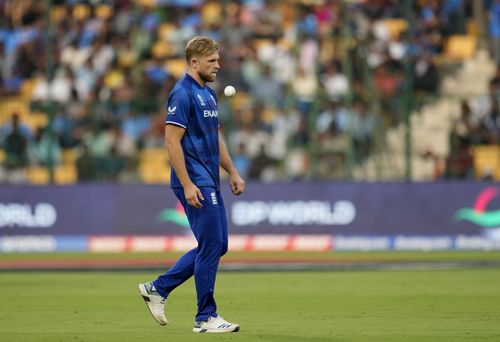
column 202, row 102
column 171, row 110
column 210, row 113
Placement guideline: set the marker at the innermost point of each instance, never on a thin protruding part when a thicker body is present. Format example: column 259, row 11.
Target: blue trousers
column 209, row 225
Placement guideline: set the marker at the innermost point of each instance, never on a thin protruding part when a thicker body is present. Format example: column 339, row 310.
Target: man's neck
column 196, row 77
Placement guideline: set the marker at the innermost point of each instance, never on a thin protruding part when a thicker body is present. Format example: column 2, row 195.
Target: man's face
column 207, row 66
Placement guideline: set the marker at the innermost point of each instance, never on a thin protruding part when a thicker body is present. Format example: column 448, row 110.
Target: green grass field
column 382, row 256
column 444, row 305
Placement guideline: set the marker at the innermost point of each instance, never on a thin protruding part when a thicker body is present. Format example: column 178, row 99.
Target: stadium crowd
column 317, row 81
column 478, row 124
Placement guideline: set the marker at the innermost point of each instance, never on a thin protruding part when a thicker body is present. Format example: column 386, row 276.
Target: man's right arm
column 173, row 136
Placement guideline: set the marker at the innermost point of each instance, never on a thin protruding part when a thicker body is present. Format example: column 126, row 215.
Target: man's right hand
column 193, row 195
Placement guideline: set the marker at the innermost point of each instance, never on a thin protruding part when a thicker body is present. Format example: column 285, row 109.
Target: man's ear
column 194, row 63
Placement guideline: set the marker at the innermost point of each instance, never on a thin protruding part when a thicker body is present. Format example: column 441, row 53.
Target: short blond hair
column 200, row 46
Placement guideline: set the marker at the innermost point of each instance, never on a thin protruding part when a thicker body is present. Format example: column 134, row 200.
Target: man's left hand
column 236, row 183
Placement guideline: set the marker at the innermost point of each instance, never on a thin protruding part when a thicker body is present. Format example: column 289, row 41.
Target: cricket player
column 196, row 150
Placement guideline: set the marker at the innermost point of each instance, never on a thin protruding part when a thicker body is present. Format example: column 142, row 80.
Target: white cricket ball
column 229, row 91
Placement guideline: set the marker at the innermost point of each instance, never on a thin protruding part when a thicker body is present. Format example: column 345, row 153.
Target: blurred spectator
column 464, row 128
column 16, row 152
column 8, row 127
column 251, row 138
column 251, row 69
column 305, row 87
column 267, row 89
column 386, row 83
column 460, row 161
column 362, row 129
column 453, row 17
column 241, row 160
column 481, row 106
column 86, row 166
column 44, row 149
column 129, row 172
column 85, row 79
column 335, row 83
column 114, row 164
column 494, row 84
column 261, row 167
column 100, row 142
column 494, row 30
column 307, row 24
column 430, row 26
column 490, row 125
column 332, row 140
column 425, row 75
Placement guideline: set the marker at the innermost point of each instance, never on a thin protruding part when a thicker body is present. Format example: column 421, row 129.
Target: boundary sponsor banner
column 362, row 243
column 367, row 209
column 334, row 209
column 422, row 243
column 185, row 242
column 247, row 243
column 71, row 244
column 28, row 243
column 43, row 243
column 476, row 243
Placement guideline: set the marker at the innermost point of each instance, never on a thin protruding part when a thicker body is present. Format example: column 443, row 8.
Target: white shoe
column 215, row 325
column 155, row 302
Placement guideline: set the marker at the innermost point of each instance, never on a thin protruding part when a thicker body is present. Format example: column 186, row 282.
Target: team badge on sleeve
column 171, row 110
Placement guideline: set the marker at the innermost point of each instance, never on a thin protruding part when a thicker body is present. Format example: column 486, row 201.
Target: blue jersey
column 195, row 108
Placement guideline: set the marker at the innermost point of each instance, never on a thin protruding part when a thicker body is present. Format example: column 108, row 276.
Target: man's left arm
column 236, row 183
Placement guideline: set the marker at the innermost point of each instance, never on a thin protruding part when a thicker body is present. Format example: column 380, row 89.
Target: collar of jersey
column 192, row 80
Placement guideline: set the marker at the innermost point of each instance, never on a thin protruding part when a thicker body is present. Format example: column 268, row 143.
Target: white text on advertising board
column 41, row 215
column 293, row 213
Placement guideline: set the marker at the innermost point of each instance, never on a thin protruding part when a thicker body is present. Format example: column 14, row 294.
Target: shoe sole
column 145, row 297
column 215, row 331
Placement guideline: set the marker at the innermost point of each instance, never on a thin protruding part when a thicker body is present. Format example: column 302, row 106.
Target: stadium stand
column 321, row 84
